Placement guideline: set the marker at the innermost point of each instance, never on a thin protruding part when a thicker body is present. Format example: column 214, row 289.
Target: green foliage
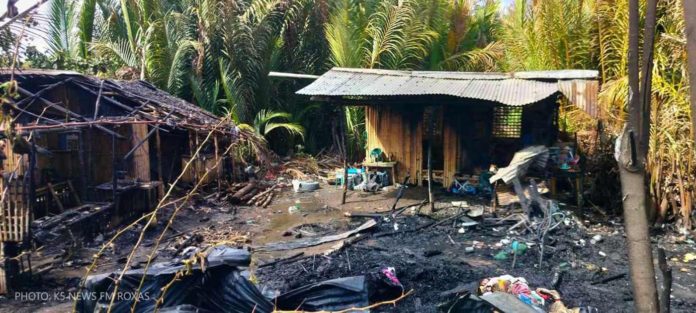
column 267, row 121
column 7, row 46
column 62, row 31
column 218, row 54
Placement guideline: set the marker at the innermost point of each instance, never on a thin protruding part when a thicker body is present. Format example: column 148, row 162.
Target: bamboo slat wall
column 203, row 164
column 14, row 212
column 399, row 133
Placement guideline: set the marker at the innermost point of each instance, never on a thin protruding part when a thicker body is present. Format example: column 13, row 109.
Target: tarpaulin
column 330, row 295
column 220, row 288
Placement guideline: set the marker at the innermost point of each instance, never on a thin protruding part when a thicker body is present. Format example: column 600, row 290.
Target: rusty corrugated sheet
column 582, row 93
column 503, row 88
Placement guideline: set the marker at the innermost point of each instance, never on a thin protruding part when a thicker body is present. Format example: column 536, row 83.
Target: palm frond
column 86, row 25
column 120, row 49
column 292, row 128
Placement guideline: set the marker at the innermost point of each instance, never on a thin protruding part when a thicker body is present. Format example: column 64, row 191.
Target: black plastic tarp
column 221, row 285
column 220, row 288
column 330, row 295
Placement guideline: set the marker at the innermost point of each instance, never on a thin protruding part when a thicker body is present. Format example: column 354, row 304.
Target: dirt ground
column 432, row 261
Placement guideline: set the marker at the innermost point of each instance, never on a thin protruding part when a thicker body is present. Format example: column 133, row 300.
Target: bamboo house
column 468, row 119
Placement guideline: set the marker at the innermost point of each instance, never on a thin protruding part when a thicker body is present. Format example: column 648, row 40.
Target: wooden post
column 114, row 169
column 342, row 132
column 217, row 169
column 141, row 154
column 431, row 126
column 89, row 166
column 83, row 168
column 192, row 150
column 31, row 194
column 158, row 142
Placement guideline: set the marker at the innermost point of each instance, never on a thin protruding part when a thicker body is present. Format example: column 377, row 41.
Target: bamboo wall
column 398, row 132
column 451, row 146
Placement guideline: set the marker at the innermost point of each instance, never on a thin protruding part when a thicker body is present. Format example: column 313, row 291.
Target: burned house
column 470, row 120
column 82, row 154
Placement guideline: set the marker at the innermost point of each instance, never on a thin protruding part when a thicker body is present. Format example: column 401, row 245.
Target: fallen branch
column 282, row 260
column 608, row 279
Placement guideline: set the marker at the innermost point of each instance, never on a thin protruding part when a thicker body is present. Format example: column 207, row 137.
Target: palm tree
column 61, row 31
column 266, row 122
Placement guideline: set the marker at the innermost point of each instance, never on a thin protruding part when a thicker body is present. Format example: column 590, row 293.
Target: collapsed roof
column 120, row 102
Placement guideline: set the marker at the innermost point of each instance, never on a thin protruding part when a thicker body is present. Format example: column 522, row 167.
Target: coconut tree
column 62, row 41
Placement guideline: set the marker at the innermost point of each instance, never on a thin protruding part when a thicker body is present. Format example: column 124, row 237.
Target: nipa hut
column 80, row 154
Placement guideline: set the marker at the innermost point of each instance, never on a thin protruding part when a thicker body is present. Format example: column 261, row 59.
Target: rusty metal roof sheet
column 505, row 88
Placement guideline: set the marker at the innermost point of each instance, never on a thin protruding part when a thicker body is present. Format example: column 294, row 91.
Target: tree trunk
column 633, row 148
column 637, row 235
column 690, row 18
column 690, row 29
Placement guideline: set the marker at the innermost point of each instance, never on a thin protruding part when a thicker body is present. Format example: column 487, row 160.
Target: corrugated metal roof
column 536, row 156
column 505, row 88
column 559, row 74
column 582, row 93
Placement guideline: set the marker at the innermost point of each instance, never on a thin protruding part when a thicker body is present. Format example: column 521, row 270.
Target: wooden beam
column 99, row 96
column 66, row 111
column 55, row 198
column 33, row 96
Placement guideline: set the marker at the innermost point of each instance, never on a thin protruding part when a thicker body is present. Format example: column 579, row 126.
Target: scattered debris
column 308, row 242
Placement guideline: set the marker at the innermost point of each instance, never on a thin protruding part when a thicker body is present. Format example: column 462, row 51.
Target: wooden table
column 576, row 177
column 390, row 165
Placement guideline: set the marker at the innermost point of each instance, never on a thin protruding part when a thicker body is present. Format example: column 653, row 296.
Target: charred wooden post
column 89, row 151
column 114, row 169
column 217, row 161
column 192, row 149
column 158, row 143
column 666, row 288
column 83, row 166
